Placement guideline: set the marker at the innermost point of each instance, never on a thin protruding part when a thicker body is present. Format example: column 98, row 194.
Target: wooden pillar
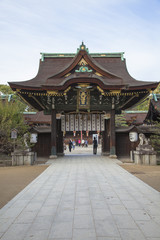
column 60, row 149
column 112, row 135
column 106, row 139
column 53, row 131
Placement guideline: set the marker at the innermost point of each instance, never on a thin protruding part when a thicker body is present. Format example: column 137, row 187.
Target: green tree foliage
column 5, row 89
column 142, row 106
column 120, row 120
column 11, row 117
column 157, row 90
column 155, row 138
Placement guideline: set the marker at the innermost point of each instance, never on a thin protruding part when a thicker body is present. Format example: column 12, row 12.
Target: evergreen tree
column 6, row 90
column 120, row 120
column 11, row 117
column 155, row 138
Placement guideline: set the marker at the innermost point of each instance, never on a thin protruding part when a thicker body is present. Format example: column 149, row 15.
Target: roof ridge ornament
column 83, row 68
column 82, row 47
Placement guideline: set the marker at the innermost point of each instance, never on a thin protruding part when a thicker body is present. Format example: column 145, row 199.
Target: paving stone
column 11, row 213
column 36, row 235
column 34, row 206
column 16, row 232
column 113, row 200
column 82, row 194
column 70, row 205
column 65, row 215
column 106, row 228
column 131, row 234
column 61, row 230
column 47, row 210
column 81, row 234
column 118, row 209
column 59, row 239
column 98, row 204
column 83, row 221
column 149, row 228
column 131, row 204
column 139, row 214
column 26, row 217
column 52, row 202
column 42, row 223
column 82, row 201
column 83, row 209
column 101, row 214
column 108, row 238
column 125, row 221
column 152, row 209
column 5, row 223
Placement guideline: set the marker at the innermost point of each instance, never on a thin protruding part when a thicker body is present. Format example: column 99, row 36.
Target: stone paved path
column 83, row 198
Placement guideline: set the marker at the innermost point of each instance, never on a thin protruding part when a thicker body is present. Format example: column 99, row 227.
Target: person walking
column 86, row 143
column 95, row 144
column 70, row 145
column 73, row 144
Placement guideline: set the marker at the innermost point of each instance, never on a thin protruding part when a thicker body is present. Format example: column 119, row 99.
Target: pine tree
column 120, row 120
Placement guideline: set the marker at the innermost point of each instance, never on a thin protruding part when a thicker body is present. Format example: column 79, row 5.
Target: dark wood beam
column 53, row 132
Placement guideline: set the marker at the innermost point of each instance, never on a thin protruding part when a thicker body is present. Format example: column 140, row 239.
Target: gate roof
column 107, row 70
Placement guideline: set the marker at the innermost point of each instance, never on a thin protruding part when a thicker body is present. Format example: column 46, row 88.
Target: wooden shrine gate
column 86, row 89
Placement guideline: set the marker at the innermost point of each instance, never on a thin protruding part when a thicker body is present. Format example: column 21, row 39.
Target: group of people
column 78, row 142
column 72, row 144
column 82, row 143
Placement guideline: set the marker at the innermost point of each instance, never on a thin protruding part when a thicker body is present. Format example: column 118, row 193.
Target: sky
column 29, row 27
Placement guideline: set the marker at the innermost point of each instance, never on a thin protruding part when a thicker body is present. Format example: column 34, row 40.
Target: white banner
column 82, row 122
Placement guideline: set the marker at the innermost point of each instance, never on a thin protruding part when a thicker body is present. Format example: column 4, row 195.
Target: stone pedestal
column 23, row 158
column 145, row 155
column 113, row 156
column 53, row 156
column 105, row 153
column 145, row 158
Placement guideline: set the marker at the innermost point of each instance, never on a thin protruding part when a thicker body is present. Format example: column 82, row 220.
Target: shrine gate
column 82, row 92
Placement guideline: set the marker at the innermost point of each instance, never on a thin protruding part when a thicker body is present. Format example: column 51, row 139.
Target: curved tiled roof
column 112, row 71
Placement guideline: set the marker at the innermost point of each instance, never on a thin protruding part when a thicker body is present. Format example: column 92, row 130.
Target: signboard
column 14, row 133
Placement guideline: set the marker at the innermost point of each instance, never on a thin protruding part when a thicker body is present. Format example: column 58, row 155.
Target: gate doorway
column 80, row 129
column 82, row 142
